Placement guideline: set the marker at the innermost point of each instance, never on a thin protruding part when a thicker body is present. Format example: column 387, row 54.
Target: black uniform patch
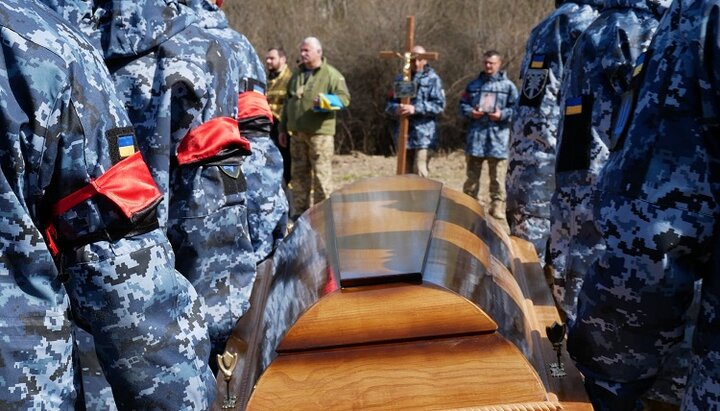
column 251, row 84
column 535, row 81
column 574, row 150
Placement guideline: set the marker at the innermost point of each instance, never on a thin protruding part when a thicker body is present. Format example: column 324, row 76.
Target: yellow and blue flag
column 126, row 146
column 328, row 102
column 538, row 61
column 573, row 106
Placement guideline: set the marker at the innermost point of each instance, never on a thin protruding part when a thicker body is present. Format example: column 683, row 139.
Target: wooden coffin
column 398, row 293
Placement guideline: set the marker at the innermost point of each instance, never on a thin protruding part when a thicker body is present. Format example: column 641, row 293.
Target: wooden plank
column 392, row 312
column 430, row 374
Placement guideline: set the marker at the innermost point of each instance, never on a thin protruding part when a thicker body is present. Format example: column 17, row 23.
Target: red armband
column 128, row 185
column 253, row 104
column 212, row 139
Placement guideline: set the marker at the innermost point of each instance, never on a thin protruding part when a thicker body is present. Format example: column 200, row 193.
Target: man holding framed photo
column 488, row 103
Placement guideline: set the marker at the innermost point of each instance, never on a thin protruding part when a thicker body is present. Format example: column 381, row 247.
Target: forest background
column 354, row 31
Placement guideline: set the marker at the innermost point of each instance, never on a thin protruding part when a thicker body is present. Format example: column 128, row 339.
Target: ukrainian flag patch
column 126, row 146
column 538, row 61
column 121, row 143
column 573, row 106
column 639, row 65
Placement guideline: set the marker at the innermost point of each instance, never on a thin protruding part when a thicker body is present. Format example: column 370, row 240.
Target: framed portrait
column 487, row 103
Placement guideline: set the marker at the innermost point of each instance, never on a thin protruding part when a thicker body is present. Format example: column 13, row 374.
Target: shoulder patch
column 574, row 150
column 533, row 87
column 122, row 143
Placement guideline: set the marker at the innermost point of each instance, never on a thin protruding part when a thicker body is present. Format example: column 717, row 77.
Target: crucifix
column 405, row 89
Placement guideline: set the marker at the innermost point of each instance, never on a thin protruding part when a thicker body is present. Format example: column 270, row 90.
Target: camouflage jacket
column 73, row 184
column 598, row 74
column 531, row 161
column 173, row 78
column 267, row 205
column 486, row 138
column 429, row 103
column 658, row 205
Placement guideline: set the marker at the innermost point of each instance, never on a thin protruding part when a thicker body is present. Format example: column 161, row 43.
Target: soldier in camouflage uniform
column 598, row 72
column 266, row 201
column 180, row 88
column 423, row 110
column 488, row 103
column 78, row 205
column 658, row 208
column 531, row 159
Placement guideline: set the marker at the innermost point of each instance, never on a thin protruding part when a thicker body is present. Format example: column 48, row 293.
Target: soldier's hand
column 496, row 115
column 476, row 114
column 405, row 110
column 282, row 139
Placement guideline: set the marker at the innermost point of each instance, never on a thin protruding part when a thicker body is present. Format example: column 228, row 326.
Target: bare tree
column 352, row 33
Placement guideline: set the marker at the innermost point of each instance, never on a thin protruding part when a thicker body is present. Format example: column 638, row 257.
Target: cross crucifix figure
column 405, row 89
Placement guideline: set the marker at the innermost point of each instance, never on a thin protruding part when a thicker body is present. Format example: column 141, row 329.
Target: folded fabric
column 327, row 102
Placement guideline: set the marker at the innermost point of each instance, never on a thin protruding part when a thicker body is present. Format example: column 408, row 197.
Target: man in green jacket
column 315, row 92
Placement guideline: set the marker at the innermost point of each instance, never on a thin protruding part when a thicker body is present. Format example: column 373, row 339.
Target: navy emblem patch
column 231, row 170
column 534, row 82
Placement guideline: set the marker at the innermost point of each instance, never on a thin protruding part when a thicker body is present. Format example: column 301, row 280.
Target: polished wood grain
column 365, row 304
column 392, row 312
column 418, row 375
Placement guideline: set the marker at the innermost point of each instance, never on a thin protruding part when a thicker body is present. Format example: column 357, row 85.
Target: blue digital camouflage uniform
column 486, row 138
column 267, row 204
column 66, row 152
column 531, row 160
column 598, row 72
column 176, row 83
column 429, row 102
column 658, row 208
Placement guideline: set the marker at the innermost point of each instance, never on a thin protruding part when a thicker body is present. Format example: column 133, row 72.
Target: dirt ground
column 447, row 168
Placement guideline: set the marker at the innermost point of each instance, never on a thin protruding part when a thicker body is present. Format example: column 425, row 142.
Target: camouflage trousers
column 418, row 161
column 497, row 168
column 574, row 242
column 311, row 169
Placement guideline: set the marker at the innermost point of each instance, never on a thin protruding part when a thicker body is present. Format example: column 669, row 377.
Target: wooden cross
column 407, row 77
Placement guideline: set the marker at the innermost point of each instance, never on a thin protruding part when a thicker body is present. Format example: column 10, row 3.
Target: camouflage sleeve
column 392, row 104
column 466, row 104
column 509, row 110
column 146, row 319
column 435, row 103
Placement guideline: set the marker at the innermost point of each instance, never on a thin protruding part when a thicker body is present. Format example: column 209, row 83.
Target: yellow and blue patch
column 327, row 102
column 121, row 143
column 538, row 61
column 573, row 106
column 639, row 63
column 126, row 146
